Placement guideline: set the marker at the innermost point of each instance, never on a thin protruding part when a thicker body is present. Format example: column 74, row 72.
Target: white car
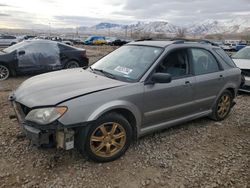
column 242, row 60
column 67, row 42
column 7, row 40
column 226, row 47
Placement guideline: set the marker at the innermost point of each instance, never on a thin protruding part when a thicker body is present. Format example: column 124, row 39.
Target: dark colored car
column 119, row 42
column 37, row 56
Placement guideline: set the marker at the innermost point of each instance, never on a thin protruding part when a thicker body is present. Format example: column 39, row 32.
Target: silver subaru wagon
column 139, row 88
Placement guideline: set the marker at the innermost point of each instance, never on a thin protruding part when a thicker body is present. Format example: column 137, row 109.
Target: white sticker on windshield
column 123, row 70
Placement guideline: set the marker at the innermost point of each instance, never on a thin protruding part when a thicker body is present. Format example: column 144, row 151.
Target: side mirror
column 22, row 52
column 161, row 78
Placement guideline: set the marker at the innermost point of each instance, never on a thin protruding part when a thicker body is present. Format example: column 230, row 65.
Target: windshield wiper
column 105, row 73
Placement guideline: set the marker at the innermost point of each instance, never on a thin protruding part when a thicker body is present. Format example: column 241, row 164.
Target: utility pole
column 126, row 31
column 49, row 29
column 131, row 32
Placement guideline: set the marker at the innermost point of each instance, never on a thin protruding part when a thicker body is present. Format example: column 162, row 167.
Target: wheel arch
column 232, row 90
column 71, row 59
column 126, row 109
column 128, row 115
column 11, row 69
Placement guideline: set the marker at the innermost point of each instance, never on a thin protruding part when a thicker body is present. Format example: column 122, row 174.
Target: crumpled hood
column 55, row 87
column 242, row 63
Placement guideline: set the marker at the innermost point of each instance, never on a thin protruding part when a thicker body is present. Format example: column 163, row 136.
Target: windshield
column 14, row 47
column 242, row 54
column 128, row 63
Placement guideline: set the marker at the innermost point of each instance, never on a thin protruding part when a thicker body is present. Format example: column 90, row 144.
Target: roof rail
column 194, row 41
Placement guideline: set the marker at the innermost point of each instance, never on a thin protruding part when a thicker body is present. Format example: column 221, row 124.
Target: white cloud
column 73, row 13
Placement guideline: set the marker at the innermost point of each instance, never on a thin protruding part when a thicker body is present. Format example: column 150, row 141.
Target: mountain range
column 210, row 26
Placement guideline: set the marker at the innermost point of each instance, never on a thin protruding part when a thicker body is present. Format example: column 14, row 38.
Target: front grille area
column 245, row 72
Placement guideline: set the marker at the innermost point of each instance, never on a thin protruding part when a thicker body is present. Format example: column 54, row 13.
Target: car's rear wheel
column 4, row 72
column 223, row 106
column 72, row 64
column 107, row 139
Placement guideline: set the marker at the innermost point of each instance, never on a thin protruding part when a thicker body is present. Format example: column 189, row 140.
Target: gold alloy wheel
column 107, row 139
column 223, row 106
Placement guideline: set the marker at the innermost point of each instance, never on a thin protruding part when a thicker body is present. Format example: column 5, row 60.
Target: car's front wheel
column 223, row 106
column 107, row 139
column 4, row 72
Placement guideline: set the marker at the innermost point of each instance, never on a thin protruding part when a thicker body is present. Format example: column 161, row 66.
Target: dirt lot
column 201, row 153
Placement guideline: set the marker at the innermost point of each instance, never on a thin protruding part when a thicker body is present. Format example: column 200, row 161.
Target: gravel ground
column 201, row 153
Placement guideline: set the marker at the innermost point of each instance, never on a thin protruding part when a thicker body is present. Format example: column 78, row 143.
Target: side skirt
column 171, row 123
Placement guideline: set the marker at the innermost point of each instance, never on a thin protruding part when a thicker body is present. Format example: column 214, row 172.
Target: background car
column 35, row 56
column 99, row 42
column 242, row 60
column 110, row 40
column 119, row 42
column 78, row 41
column 240, row 46
column 67, row 42
column 91, row 39
column 226, row 47
column 7, row 40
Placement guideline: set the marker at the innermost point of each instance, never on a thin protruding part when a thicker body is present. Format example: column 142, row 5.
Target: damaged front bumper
column 245, row 85
column 54, row 134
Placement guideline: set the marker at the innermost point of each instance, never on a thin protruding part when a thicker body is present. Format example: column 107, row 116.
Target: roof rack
column 194, row 41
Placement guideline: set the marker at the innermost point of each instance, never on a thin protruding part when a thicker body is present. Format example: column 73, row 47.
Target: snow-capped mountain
column 223, row 26
column 237, row 25
column 105, row 25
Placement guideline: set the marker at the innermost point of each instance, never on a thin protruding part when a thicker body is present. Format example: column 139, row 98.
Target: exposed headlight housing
column 45, row 116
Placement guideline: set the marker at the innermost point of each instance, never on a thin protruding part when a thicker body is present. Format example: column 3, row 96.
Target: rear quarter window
column 203, row 61
column 224, row 57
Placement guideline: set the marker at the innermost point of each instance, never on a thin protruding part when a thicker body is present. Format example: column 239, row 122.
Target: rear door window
column 203, row 61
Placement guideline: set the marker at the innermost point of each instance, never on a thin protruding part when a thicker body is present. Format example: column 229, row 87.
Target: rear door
column 209, row 78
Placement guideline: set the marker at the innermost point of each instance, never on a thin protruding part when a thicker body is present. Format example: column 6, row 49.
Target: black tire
column 4, row 72
column 86, row 142
column 217, row 114
column 72, row 64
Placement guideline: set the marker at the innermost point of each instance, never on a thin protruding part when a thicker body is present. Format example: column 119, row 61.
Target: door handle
column 221, row 76
column 187, row 82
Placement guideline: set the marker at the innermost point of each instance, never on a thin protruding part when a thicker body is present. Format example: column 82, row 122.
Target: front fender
column 118, row 104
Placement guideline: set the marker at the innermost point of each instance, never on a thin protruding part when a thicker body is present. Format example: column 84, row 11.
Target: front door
column 164, row 102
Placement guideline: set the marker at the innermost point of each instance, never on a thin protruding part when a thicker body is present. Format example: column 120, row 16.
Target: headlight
column 46, row 115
